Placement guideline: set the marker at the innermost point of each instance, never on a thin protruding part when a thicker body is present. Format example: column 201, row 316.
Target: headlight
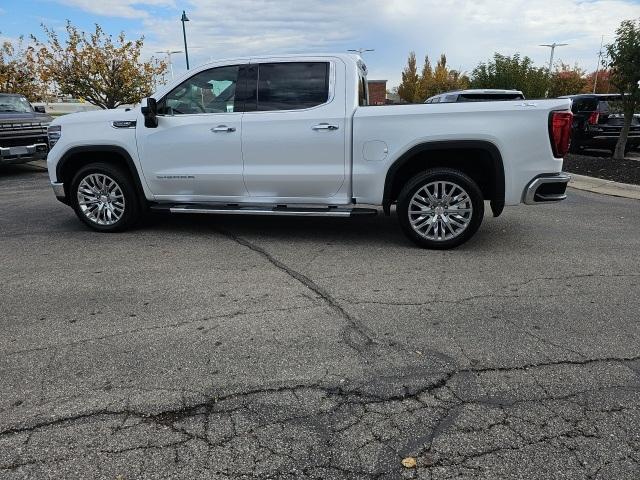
column 54, row 132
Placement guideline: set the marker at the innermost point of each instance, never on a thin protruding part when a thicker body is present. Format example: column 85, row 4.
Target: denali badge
column 174, row 177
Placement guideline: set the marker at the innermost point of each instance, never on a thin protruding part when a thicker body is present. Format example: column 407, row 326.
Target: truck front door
column 195, row 153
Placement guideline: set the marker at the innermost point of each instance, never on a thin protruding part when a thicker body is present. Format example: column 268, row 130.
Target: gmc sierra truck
column 293, row 135
column 23, row 130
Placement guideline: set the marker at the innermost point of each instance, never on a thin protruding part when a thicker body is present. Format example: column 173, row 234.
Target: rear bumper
column 606, row 140
column 23, row 154
column 546, row 188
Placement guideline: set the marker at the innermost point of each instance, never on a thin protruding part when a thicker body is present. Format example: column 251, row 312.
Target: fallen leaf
column 409, row 462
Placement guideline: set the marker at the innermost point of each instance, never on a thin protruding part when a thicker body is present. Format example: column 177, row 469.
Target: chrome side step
column 274, row 211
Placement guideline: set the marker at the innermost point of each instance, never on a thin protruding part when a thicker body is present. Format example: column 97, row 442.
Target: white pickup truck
column 293, row 135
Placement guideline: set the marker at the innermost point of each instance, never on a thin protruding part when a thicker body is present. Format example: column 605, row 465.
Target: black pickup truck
column 596, row 126
column 23, row 130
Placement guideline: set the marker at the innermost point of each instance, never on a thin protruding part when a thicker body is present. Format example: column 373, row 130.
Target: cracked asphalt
column 288, row 348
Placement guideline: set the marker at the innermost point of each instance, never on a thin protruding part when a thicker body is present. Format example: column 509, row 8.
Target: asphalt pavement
column 216, row 347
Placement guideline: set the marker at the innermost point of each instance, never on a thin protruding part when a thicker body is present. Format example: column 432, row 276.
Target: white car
column 293, row 135
column 476, row 95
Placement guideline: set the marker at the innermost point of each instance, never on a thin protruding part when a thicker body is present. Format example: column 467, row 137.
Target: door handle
column 222, row 128
column 324, row 126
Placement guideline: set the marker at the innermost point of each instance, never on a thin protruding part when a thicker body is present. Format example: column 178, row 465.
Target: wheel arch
column 74, row 158
column 451, row 154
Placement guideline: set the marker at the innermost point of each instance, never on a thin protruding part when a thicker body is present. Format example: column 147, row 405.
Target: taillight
column 593, row 118
column 560, row 132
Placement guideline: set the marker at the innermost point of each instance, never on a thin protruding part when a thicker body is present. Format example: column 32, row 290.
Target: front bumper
column 546, row 189
column 58, row 190
column 23, row 154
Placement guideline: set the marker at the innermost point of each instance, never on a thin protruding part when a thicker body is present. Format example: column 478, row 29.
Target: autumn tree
column 566, row 80
column 438, row 80
column 623, row 59
column 445, row 79
column 106, row 72
column 409, row 88
column 18, row 72
column 426, row 79
column 511, row 72
column 601, row 80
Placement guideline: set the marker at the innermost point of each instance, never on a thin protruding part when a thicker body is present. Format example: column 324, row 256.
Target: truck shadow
column 367, row 232
column 22, row 169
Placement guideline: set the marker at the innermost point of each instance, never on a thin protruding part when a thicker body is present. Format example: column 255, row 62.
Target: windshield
column 14, row 103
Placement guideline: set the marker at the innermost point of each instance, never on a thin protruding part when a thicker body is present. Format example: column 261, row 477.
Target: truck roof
column 348, row 57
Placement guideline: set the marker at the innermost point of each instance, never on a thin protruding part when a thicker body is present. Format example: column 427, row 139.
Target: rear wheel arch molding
column 494, row 154
column 83, row 150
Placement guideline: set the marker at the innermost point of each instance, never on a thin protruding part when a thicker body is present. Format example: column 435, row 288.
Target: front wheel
column 104, row 198
column 440, row 208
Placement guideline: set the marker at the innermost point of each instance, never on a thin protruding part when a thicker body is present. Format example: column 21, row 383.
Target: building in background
column 377, row 92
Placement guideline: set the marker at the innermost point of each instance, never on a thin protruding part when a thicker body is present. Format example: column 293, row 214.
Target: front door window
column 210, row 91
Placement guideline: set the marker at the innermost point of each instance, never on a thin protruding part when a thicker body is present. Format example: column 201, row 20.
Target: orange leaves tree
column 18, row 71
column 566, row 80
column 415, row 88
column 104, row 71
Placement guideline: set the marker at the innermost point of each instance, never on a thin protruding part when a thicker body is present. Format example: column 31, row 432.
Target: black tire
column 122, row 178
column 472, row 221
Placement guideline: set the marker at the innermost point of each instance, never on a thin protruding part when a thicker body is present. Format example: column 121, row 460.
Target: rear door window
column 292, row 85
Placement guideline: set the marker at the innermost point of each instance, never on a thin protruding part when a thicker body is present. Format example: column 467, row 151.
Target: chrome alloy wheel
column 101, row 199
column 440, row 211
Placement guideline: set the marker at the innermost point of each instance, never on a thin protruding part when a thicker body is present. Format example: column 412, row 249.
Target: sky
column 467, row 31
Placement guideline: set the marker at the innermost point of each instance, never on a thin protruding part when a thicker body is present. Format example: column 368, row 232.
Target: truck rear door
column 293, row 137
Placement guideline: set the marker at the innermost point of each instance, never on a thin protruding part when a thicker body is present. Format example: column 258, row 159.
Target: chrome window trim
column 330, row 95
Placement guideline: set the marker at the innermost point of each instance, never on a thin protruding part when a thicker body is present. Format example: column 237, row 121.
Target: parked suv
column 476, row 95
column 596, row 126
column 23, row 130
column 293, row 135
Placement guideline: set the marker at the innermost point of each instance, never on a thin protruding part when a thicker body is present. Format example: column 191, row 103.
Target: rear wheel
column 104, row 198
column 440, row 208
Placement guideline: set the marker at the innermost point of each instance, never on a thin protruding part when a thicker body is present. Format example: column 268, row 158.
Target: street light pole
column 360, row 51
column 595, row 80
column 168, row 53
column 553, row 49
column 184, row 34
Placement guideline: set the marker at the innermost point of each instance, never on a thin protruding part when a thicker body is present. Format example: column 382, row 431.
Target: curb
column 604, row 187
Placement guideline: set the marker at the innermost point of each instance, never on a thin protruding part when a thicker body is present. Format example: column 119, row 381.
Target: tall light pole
column 184, row 34
column 553, row 49
column 168, row 53
column 595, row 80
column 360, row 51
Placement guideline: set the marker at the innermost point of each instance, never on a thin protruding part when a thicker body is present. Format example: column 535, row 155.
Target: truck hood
column 98, row 116
column 13, row 117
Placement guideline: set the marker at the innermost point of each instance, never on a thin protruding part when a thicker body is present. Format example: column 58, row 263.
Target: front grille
column 16, row 134
column 21, row 141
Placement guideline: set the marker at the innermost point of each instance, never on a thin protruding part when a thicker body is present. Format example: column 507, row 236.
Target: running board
column 274, row 211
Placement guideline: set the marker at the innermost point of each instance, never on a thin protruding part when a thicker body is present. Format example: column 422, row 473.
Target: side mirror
column 39, row 109
column 149, row 112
